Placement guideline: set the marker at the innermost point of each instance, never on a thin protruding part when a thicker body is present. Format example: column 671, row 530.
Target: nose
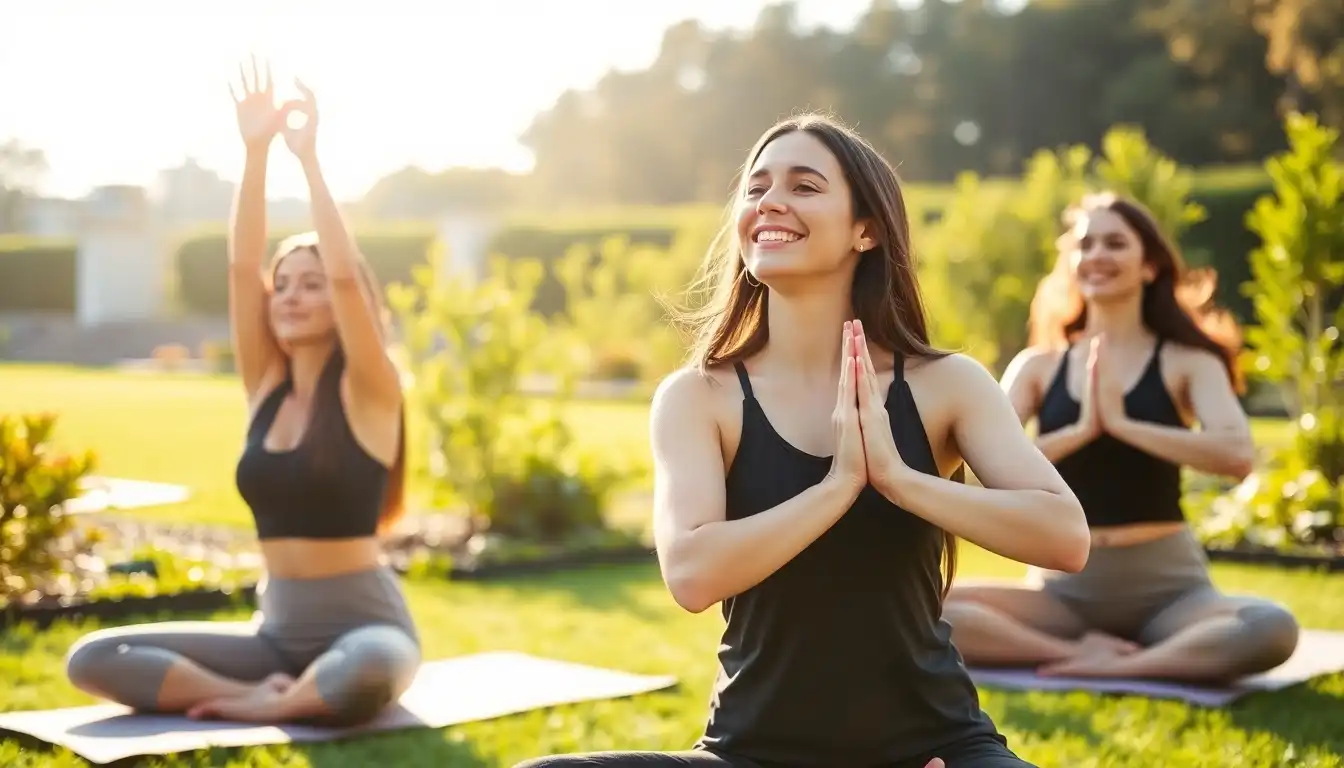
column 770, row 202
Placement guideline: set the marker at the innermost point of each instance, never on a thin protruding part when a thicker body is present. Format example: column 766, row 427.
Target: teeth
column 775, row 235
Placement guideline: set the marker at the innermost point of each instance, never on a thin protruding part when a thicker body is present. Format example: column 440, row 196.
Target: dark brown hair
column 1177, row 304
column 325, row 420
column 731, row 324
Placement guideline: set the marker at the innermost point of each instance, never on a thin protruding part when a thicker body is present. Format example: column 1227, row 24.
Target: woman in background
column 1123, row 360
column 322, row 471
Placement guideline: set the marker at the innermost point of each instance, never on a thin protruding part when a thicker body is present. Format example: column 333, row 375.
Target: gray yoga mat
column 445, row 692
column 1318, row 653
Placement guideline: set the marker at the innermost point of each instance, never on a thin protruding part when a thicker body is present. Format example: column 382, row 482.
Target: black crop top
column 290, row 498
column 1116, row 483
column 840, row 657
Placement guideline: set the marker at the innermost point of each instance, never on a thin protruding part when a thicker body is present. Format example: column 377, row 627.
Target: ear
column 865, row 236
column 1149, row 272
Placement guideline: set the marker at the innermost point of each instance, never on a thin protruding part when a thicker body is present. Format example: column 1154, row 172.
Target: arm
column 254, row 345
column 1223, row 444
column 704, row 557
column 371, row 372
column 1024, row 511
column 1022, row 383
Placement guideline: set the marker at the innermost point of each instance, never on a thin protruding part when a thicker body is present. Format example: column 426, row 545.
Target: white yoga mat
column 445, row 692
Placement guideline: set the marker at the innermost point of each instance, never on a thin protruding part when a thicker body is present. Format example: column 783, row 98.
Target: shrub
column 470, row 345
column 36, row 480
column 37, row 275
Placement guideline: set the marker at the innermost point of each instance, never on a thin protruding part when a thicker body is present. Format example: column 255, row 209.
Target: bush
column 37, row 275
column 36, row 480
column 1298, row 274
column 203, row 263
column 470, row 345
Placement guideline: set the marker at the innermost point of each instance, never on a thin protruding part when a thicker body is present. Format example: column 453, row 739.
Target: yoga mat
column 1318, row 653
column 445, row 692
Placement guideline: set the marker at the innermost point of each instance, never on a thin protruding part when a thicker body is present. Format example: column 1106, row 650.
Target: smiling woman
column 805, row 479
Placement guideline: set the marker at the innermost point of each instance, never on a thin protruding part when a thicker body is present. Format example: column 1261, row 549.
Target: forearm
column 1219, row 453
column 1030, row 526
column 718, row 560
column 1060, row 443
column 338, row 248
column 247, row 236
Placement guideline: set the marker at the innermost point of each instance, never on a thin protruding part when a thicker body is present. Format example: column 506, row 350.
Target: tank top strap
column 265, row 415
column 744, row 380
column 897, row 369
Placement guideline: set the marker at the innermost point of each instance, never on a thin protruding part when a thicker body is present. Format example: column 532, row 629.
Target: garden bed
column 1330, row 561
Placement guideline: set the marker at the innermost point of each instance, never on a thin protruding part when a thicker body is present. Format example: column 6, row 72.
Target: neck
column 305, row 366
column 811, row 322
column 1119, row 320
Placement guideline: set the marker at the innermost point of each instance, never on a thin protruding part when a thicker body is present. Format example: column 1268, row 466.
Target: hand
column 1089, row 420
column 258, row 117
column 302, row 141
column 1096, row 655
column 265, row 703
column 1108, row 393
column 879, row 446
column 848, row 466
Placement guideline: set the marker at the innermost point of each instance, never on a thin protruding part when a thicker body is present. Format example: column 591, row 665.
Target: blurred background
column 559, row 169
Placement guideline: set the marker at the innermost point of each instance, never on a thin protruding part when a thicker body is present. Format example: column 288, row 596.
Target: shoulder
column 689, row 390
column 1034, row 363
column 1192, row 361
column 955, row 376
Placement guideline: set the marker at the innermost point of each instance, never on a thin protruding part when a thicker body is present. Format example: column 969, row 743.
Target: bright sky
column 115, row 92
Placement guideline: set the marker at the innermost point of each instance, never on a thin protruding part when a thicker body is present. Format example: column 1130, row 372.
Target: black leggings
column 986, row 752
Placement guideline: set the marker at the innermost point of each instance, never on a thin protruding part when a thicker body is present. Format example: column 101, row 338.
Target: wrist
column 308, row 161
column 257, row 151
column 843, row 490
column 895, row 481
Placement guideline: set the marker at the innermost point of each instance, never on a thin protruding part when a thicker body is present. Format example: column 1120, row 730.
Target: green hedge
column 1222, row 240
column 37, row 275
column 203, row 263
column 202, row 260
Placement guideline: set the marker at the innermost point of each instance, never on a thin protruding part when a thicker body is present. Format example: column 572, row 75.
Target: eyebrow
column 796, row 170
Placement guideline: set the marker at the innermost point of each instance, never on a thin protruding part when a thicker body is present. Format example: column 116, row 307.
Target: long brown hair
column 1177, row 305
column 326, row 419
column 731, row 325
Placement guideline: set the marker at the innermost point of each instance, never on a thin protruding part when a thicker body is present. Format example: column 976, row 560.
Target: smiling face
column 300, row 303
column 1106, row 256
column 795, row 215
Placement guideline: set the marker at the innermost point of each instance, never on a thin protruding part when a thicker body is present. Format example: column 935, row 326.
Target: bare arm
column 254, row 345
column 1022, row 383
column 704, row 557
column 1024, row 511
column 371, row 372
column 1223, row 444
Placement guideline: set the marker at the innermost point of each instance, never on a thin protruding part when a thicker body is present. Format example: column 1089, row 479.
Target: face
column 300, row 303
column 1106, row 257
column 795, row 214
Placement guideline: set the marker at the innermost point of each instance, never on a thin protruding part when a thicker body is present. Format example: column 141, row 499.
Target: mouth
column 768, row 234
column 1097, row 274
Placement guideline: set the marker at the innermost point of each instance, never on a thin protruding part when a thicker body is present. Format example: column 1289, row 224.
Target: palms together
column 881, row 458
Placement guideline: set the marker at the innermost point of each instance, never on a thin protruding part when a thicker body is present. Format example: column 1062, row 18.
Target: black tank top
column 290, row 497
column 840, row 657
column 1116, row 483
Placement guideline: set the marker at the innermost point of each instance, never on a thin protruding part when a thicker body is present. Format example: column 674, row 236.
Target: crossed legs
column 230, row 670
column 1204, row 636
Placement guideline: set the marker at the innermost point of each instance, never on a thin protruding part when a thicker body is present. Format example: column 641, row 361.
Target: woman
column 1124, row 359
column 801, row 473
column 322, row 472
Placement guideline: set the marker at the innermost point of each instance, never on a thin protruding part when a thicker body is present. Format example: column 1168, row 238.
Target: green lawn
column 614, row 617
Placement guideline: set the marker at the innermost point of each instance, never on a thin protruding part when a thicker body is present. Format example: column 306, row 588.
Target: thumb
column 936, row 762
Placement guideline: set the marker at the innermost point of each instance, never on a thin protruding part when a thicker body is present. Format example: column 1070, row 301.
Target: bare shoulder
column 952, row 376
column 688, row 391
column 1190, row 359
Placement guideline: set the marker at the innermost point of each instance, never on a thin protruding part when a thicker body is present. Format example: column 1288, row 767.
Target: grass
column 618, row 617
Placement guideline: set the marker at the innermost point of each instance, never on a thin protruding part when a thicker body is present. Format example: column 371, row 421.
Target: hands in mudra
column 865, row 448
column 260, row 118
column 1102, row 406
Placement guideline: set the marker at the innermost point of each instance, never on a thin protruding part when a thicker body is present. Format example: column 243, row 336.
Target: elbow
column 688, row 587
column 1240, row 465
column 1072, row 540
column 690, row 594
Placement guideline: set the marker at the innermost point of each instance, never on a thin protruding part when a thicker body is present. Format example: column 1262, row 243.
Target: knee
column 377, row 668
column 89, row 660
column 1270, row 635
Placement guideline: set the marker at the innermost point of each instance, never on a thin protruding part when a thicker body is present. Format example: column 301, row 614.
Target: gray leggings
column 1148, row 592
column 354, row 630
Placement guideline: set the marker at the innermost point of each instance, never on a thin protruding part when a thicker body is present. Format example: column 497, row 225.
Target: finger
column 270, row 84
column 242, row 77
column 256, row 84
column 852, row 396
column 865, row 391
column 233, row 94
column 305, row 90
column 936, row 762
column 845, row 346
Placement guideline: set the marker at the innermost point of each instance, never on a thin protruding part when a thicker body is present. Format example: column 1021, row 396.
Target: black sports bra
column 291, row 498
column 1117, row 483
